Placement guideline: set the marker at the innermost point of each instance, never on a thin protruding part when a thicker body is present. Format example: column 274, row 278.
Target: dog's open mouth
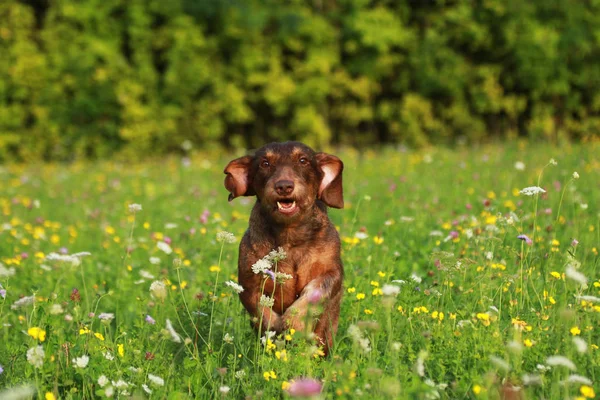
column 287, row 206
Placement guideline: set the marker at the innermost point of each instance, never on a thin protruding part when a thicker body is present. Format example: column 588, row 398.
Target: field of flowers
column 470, row 273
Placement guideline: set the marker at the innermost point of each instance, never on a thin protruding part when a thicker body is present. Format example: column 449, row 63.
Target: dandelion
column 158, row 290
column 35, row 356
column 532, row 190
column 235, row 286
column 149, row 320
column 305, row 387
column 23, row 302
column 174, row 335
column 226, row 237
column 81, row 362
column 526, row 239
column 572, row 273
column 157, row 380
column 121, row 350
column 164, row 247
column 266, row 301
column 134, row 208
column 390, row 290
column 562, row 361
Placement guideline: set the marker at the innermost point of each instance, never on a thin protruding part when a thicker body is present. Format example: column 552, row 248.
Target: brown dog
column 293, row 186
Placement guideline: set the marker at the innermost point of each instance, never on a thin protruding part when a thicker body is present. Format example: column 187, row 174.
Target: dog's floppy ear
column 238, row 180
column 331, row 191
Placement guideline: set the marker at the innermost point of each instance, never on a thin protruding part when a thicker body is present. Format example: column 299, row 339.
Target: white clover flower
column 266, row 301
column 580, row 344
column 520, row 166
column 157, row 380
column 261, row 266
column 81, row 362
column 575, row 175
column 23, row 302
column 102, row 381
column 532, row 190
column 35, row 356
column 133, row 208
column 158, row 290
column 226, row 237
column 572, row 273
column 235, row 286
column 562, row 361
column 390, row 290
column 164, row 247
column 174, row 335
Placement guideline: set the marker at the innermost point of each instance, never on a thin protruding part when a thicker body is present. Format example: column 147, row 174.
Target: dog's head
column 287, row 178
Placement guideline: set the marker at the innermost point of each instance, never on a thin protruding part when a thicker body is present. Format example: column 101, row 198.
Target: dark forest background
column 95, row 78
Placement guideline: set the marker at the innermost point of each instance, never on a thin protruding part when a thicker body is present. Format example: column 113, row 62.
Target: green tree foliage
column 92, row 78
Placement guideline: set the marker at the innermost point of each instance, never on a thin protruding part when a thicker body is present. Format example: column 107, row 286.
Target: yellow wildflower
column 587, row 391
column 268, row 375
column 351, row 289
column 99, row 336
column 575, row 331
column 49, row 396
column 360, row 296
column 37, row 333
column 121, row 350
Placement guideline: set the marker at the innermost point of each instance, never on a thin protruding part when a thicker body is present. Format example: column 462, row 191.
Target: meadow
column 115, row 281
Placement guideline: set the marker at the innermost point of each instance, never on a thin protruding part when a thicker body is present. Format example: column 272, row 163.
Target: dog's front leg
column 318, row 291
column 263, row 318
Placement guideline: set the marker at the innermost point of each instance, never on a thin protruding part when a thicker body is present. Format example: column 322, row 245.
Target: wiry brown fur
column 308, row 237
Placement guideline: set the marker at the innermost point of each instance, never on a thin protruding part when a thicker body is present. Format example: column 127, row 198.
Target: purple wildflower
column 271, row 274
column 575, row 242
column 2, row 292
column 526, row 239
column 150, row 320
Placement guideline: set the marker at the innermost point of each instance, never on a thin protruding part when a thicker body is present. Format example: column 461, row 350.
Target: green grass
column 487, row 313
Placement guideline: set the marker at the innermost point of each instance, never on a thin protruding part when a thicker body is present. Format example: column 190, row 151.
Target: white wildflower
column 146, row 388
column 500, row 363
column 562, row 361
column 224, row 389
column 133, row 208
column 18, row 393
column 420, row 364
column 164, row 247
column 109, row 391
column 281, row 277
column 35, row 356
column 552, row 161
column 146, row 275
column 235, row 286
column 6, row 272
column 56, row 309
column 357, row 336
column 266, row 301
column 514, row 346
column 580, row 344
column 158, row 290
column 416, row 278
column 261, row 266
column 520, row 166
column 81, row 362
column 157, row 380
column 241, row 374
column 543, row 368
column 390, row 290
column 153, row 261
column 226, row 237
column 400, row 281
column 23, row 302
column 361, row 235
column 174, row 335
column 102, row 381
column 575, row 275
column 591, row 299
column 436, row 233
column 276, row 255
column 228, row 338
column 267, row 336
column 463, row 322
column 575, row 175
column 578, row 379
column 532, row 190
column 120, row 384
column 106, row 316
column 170, row 225
column 108, row 355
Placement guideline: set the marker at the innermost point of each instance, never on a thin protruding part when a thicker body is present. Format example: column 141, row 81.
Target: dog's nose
column 284, row 187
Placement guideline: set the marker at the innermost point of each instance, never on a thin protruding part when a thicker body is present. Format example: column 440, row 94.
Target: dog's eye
column 265, row 164
column 303, row 161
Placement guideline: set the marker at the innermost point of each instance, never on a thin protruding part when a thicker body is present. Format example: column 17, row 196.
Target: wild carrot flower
column 35, row 356
column 532, row 190
column 133, row 208
column 158, row 290
column 266, row 301
column 81, row 362
column 226, row 237
column 261, row 266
